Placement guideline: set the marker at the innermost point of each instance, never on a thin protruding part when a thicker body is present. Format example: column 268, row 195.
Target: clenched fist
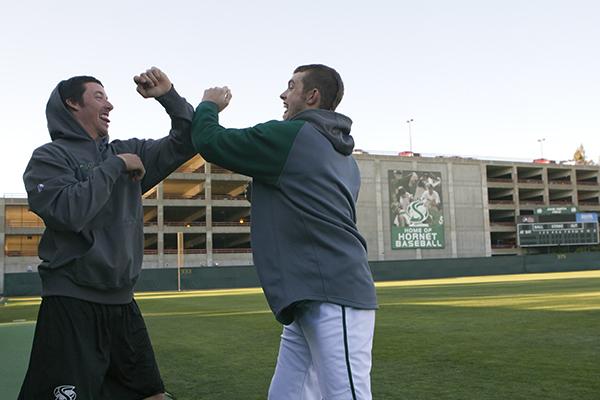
column 221, row 96
column 134, row 165
column 152, row 83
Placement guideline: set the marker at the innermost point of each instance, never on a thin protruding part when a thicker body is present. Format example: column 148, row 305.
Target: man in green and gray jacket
column 310, row 257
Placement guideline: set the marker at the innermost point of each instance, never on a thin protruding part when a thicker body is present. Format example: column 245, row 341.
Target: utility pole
column 409, row 134
column 541, row 142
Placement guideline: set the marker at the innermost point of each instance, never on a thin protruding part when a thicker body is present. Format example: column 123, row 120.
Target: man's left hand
column 221, row 96
column 152, row 83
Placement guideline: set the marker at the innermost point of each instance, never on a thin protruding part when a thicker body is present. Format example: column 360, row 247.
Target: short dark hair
column 326, row 80
column 73, row 88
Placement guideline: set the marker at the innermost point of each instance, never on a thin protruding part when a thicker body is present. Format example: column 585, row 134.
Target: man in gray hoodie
column 90, row 340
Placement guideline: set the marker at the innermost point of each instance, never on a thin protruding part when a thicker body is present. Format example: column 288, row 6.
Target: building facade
column 408, row 208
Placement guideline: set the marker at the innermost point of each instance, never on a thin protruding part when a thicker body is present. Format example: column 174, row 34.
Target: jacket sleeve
column 260, row 151
column 59, row 198
column 163, row 156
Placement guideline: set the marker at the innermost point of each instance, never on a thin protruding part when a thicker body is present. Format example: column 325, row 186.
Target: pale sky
column 480, row 78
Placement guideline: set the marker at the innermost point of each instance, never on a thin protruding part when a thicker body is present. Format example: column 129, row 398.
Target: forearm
column 259, row 151
column 176, row 106
column 161, row 157
column 65, row 203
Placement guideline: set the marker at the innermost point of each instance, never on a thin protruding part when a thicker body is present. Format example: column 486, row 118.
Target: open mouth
column 104, row 117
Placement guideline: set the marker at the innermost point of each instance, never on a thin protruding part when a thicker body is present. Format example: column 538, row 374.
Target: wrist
column 167, row 93
column 122, row 161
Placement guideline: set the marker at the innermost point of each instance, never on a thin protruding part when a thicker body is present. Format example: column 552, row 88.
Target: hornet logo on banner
column 417, row 213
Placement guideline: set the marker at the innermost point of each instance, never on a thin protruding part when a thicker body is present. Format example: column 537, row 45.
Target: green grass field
column 506, row 337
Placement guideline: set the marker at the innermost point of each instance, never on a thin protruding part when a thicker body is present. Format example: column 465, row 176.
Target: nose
column 109, row 105
column 283, row 95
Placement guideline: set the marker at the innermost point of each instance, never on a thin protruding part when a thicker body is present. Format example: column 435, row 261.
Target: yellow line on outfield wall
column 22, row 301
column 494, row 278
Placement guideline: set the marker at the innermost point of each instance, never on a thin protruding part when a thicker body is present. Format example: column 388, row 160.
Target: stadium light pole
column 409, row 134
column 541, row 142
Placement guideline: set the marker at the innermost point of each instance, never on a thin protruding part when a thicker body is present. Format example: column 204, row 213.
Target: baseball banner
column 416, row 210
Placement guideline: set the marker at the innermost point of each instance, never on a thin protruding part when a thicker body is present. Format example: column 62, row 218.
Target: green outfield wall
column 28, row 283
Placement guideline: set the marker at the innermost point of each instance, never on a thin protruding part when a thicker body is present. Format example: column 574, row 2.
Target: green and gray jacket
column 304, row 238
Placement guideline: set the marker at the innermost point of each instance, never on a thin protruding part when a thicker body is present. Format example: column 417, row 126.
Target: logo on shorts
column 65, row 392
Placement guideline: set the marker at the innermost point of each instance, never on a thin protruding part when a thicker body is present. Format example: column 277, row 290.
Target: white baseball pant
column 325, row 354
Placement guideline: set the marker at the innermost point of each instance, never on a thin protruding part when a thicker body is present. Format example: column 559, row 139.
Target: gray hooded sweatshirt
column 92, row 246
column 305, row 242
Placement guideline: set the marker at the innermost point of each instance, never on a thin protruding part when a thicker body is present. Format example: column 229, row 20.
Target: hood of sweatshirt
column 334, row 126
column 61, row 122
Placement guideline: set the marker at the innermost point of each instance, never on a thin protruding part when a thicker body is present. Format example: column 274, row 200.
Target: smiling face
column 294, row 98
column 92, row 112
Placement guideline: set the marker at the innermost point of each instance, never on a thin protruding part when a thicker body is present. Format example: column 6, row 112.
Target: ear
column 72, row 105
column 313, row 98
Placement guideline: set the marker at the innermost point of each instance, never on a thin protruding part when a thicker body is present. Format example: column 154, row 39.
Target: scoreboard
column 557, row 234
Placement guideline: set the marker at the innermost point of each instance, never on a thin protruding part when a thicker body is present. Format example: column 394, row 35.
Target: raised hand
column 221, row 96
column 152, row 83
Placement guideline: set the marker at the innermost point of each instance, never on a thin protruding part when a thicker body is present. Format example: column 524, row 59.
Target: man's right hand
column 134, row 165
column 221, row 96
column 152, row 83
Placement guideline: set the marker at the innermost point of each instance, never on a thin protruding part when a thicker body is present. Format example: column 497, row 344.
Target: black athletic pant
column 90, row 351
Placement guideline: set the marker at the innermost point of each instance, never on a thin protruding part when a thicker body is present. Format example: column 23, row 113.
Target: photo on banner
column 416, row 209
